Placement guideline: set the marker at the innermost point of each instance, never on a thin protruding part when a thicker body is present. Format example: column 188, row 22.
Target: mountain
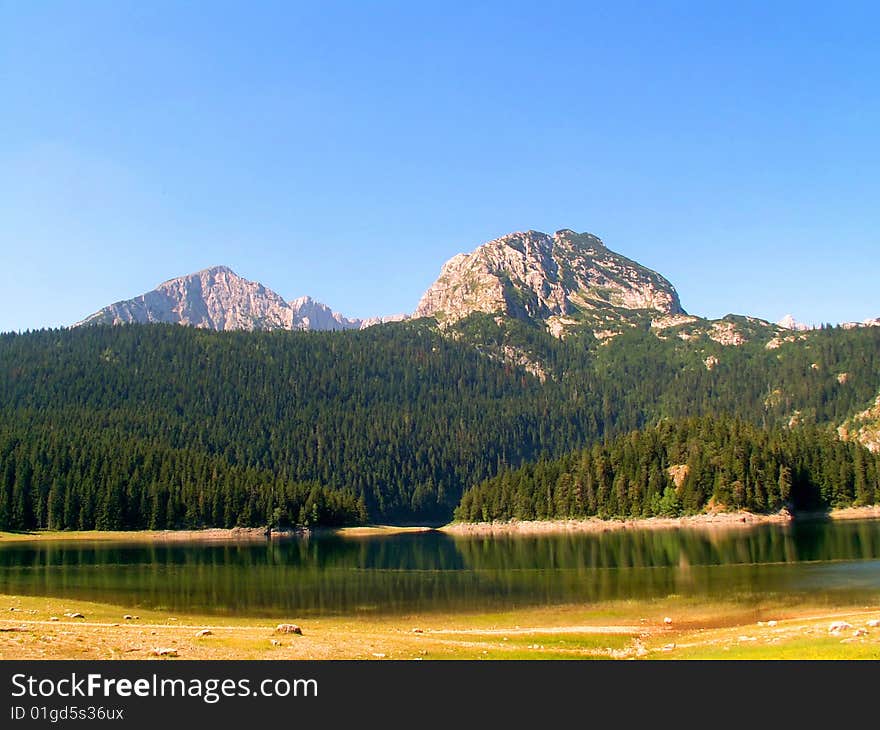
column 312, row 315
column 561, row 280
column 564, row 280
column 219, row 299
column 788, row 322
column 545, row 344
column 565, row 283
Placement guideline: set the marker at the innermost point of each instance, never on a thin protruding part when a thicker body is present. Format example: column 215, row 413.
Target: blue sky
column 346, row 150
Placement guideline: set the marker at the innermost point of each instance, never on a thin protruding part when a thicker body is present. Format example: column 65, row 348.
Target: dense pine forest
column 165, row 426
column 682, row 467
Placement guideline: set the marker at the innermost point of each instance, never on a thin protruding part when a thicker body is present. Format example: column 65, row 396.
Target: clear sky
column 346, row 150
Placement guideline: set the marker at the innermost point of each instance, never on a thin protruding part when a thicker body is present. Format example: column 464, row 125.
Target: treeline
column 396, row 421
column 683, row 467
column 400, row 416
column 63, row 480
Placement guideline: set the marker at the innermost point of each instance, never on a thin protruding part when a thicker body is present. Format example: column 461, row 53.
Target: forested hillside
column 681, row 467
column 166, row 426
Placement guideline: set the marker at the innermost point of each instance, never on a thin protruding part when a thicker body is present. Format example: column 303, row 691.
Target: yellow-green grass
column 44, row 535
column 800, row 637
column 618, row 630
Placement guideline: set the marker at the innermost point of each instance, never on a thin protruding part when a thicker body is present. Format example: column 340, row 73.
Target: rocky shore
column 534, row 527
column 712, row 520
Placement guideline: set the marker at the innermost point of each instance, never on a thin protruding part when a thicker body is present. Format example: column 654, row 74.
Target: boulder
column 288, row 629
column 166, row 651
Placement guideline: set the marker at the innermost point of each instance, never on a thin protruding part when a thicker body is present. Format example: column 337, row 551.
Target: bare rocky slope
column 561, row 279
column 219, row 299
column 565, row 282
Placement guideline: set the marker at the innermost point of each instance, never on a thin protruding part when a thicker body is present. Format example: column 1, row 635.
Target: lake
column 835, row 562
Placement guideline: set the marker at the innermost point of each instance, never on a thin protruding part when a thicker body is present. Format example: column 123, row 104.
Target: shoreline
column 728, row 520
column 714, row 520
column 208, row 534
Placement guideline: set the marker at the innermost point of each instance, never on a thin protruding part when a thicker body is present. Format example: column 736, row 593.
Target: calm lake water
column 835, row 562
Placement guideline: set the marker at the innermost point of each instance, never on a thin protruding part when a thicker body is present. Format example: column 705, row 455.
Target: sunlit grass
column 622, row 630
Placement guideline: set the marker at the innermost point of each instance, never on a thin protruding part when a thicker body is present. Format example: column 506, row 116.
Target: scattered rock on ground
column 54, row 618
column 74, row 614
column 837, row 626
column 204, row 632
column 667, row 621
column 288, row 629
column 167, row 651
column 860, row 632
column 873, row 623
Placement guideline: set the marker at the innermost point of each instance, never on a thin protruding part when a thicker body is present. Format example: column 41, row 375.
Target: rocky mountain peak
column 217, row 298
column 312, row 315
column 790, row 323
column 534, row 275
column 219, row 269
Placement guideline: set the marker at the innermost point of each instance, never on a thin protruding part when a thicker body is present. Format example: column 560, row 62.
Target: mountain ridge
column 559, row 279
column 566, row 282
column 218, row 298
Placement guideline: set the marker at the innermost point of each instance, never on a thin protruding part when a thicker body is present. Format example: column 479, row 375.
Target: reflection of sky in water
column 434, row 571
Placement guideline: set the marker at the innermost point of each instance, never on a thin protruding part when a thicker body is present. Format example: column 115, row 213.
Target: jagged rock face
column 538, row 276
column 312, row 315
column 219, row 299
column 372, row 321
column 788, row 322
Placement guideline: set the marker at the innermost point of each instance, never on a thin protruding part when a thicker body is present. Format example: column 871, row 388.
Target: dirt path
column 613, row 629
